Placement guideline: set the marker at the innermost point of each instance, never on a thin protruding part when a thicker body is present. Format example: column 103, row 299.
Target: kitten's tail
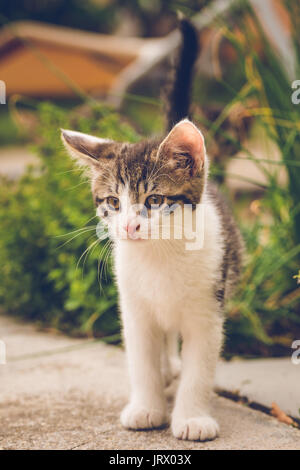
column 178, row 90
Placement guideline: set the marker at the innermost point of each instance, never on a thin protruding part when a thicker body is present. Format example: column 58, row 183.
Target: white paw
column 137, row 417
column 175, row 363
column 202, row 428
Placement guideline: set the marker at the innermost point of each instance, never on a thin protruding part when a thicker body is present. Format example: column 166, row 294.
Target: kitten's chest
column 152, row 277
column 166, row 284
column 158, row 279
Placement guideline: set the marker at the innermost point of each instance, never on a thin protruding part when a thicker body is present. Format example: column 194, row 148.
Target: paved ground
column 62, row 393
column 263, row 381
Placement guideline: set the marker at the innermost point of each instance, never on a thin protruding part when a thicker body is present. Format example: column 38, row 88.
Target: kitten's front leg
column 202, row 338
column 143, row 340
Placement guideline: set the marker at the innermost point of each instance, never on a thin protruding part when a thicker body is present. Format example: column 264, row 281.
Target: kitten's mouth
column 138, row 239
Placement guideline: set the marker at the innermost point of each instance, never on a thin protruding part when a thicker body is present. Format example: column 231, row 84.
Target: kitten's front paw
column 202, row 428
column 137, row 417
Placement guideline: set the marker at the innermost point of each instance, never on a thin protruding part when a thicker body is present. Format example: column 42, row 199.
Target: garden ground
column 64, row 393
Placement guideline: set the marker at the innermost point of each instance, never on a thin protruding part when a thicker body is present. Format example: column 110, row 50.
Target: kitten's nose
column 132, row 227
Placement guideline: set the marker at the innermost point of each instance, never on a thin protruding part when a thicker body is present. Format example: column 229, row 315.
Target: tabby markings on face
column 136, row 186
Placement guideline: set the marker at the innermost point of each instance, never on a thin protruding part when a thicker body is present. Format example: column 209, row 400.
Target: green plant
column 46, row 226
column 263, row 315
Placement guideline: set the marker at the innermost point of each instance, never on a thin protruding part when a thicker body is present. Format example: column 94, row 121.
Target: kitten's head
column 135, row 185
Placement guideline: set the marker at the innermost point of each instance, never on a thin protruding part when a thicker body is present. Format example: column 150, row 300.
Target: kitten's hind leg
column 173, row 353
column 170, row 360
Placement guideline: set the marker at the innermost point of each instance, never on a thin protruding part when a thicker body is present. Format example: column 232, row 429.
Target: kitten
column 166, row 289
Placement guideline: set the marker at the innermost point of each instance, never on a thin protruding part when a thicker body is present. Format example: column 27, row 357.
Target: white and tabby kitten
column 166, row 291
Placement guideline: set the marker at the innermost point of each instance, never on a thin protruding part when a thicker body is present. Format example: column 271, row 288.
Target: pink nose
column 131, row 228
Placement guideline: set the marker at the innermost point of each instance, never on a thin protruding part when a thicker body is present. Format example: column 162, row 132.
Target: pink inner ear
column 185, row 137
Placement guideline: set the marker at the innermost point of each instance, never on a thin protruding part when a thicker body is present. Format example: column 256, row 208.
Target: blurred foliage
column 87, row 15
column 8, row 130
column 264, row 315
column 40, row 279
column 152, row 18
column 47, row 223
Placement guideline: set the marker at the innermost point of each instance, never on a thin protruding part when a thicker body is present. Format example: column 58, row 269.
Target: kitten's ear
column 87, row 149
column 184, row 147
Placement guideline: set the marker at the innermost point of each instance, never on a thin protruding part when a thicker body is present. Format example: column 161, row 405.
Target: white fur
column 166, row 289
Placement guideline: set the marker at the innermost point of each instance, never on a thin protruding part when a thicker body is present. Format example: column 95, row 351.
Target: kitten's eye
column 113, row 203
column 155, row 200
